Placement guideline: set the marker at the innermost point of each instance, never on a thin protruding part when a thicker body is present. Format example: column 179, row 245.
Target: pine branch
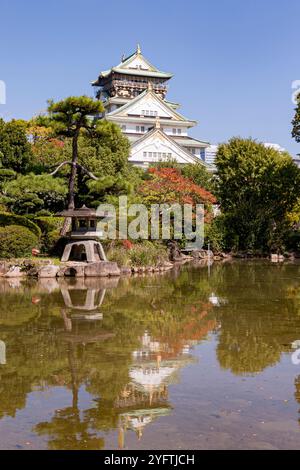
column 82, row 168
column 60, row 166
column 87, row 172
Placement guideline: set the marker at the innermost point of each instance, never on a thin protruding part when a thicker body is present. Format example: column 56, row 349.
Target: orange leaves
column 127, row 244
column 170, row 186
column 57, row 143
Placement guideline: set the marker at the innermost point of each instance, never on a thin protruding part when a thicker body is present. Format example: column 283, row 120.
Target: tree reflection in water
column 123, row 343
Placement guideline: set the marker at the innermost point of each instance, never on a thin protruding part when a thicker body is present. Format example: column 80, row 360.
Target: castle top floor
column 130, row 78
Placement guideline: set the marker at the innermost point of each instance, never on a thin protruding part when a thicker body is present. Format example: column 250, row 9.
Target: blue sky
column 233, row 61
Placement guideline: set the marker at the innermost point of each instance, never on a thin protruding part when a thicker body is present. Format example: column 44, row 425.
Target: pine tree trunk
column 72, row 181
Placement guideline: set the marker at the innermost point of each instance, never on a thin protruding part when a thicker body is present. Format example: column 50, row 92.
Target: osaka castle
column 134, row 97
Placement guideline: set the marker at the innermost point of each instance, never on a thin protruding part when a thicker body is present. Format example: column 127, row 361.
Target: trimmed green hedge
column 50, row 227
column 12, row 219
column 7, row 174
column 48, row 224
column 16, row 241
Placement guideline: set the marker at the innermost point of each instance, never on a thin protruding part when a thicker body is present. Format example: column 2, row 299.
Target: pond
column 197, row 358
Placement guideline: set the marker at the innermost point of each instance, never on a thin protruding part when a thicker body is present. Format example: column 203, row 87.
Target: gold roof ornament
column 157, row 123
column 138, row 49
column 150, row 86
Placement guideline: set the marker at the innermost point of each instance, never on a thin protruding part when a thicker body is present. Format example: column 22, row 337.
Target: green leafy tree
column 199, row 175
column 296, row 122
column 104, row 151
column 72, row 117
column 15, row 150
column 111, row 150
column 5, row 175
column 47, row 149
column 257, row 188
column 31, row 193
column 108, row 188
column 106, row 155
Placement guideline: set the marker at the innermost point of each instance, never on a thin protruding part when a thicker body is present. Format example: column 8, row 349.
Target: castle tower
column 134, row 97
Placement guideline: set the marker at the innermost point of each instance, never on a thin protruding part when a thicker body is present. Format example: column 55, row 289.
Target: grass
column 141, row 254
column 34, row 259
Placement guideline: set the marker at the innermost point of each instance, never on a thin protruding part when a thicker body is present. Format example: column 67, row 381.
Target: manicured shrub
column 7, row 174
column 16, row 241
column 29, row 194
column 12, row 219
column 50, row 227
column 47, row 224
column 50, row 241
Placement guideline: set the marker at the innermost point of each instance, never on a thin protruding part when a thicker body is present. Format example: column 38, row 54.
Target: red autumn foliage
column 57, row 142
column 168, row 185
column 127, row 244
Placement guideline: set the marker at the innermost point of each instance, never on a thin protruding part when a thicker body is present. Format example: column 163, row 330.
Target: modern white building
column 297, row 160
column 274, row 146
column 134, row 97
column 210, row 152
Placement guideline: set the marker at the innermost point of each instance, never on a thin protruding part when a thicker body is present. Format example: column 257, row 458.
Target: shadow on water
column 117, row 347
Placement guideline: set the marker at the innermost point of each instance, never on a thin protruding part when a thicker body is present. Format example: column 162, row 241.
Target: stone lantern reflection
column 2, row 353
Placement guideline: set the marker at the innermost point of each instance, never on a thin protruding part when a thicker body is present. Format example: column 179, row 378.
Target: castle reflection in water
column 123, row 344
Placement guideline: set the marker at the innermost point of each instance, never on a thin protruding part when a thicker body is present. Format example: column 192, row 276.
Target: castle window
column 158, row 155
column 176, row 131
column 147, row 112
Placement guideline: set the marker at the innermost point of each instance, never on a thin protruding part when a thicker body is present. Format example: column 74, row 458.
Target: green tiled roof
column 171, row 103
column 144, row 73
column 122, row 68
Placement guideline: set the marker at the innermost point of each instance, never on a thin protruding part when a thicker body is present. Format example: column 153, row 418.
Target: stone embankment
column 46, row 269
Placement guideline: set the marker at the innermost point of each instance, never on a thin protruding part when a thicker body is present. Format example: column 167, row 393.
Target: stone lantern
column 84, row 245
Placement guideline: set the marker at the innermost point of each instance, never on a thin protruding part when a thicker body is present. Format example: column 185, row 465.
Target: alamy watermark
column 2, row 92
column 295, row 357
column 157, row 222
column 296, row 92
column 2, row 353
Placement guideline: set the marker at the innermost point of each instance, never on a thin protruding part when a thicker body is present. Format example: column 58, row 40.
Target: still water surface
column 202, row 358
